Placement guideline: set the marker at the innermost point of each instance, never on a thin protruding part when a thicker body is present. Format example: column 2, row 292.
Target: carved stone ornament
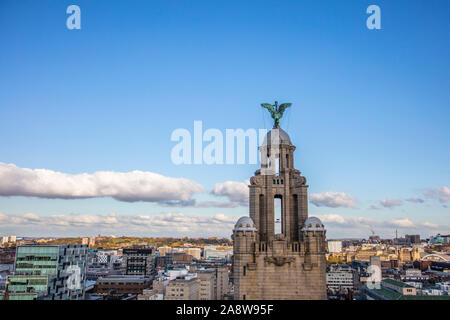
column 279, row 261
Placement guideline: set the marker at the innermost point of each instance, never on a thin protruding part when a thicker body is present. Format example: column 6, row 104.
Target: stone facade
column 285, row 262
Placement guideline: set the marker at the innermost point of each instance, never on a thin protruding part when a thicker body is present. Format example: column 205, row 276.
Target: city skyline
column 87, row 115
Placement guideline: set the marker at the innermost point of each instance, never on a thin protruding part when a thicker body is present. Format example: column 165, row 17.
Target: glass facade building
column 54, row 272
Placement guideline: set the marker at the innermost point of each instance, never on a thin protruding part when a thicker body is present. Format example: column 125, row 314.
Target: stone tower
column 279, row 257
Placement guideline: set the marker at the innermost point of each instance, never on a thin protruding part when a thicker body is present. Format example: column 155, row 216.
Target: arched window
column 278, row 214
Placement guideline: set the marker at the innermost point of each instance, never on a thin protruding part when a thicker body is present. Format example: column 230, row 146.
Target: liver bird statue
column 276, row 111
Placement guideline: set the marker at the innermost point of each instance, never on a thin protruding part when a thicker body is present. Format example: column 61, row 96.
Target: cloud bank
column 391, row 203
column 167, row 224
column 442, row 194
column 237, row 192
column 360, row 226
column 123, row 186
column 332, row 199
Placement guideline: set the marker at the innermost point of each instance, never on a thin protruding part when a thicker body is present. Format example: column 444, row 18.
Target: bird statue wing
column 268, row 106
column 283, row 107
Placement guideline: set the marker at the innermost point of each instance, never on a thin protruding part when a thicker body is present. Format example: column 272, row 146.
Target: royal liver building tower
column 279, row 253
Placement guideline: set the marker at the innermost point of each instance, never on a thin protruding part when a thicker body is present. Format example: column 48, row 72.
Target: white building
column 213, row 252
column 342, row 277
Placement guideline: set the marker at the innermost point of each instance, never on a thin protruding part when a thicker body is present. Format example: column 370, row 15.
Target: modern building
column 53, row 272
column 215, row 252
column 122, row 285
column 412, row 239
column 278, row 252
column 162, row 261
column 139, row 261
column 342, row 277
column 181, row 258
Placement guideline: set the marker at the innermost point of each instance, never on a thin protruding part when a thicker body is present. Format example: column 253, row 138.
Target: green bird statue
column 276, row 111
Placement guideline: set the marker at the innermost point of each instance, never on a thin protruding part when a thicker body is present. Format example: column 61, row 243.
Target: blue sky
column 370, row 115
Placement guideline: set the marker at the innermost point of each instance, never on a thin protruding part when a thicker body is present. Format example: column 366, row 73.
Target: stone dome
column 278, row 135
column 313, row 224
column 245, row 224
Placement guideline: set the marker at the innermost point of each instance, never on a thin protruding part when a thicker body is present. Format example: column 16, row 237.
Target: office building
column 54, row 272
column 139, row 261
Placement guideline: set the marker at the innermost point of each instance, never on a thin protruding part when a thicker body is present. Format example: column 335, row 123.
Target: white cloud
column 332, row 218
column 442, row 194
column 390, row 203
column 123, row 186
column 237, row 192
column 332, row 199
column 415, row 200
column 199, row 204
column 401, row 223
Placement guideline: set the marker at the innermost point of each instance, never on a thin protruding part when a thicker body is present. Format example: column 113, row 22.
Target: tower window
column 244, row 271
column 277, row 210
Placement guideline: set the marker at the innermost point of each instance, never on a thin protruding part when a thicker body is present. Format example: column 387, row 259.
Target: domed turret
column 245, row 224
column 277, row 136
column 313, row 224
column 244, row 236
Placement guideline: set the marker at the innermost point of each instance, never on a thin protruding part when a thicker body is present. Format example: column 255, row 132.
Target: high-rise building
column 139, row 261
column 4, row 239
column 279, row 255
column 51, row 272
column 412, row 238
